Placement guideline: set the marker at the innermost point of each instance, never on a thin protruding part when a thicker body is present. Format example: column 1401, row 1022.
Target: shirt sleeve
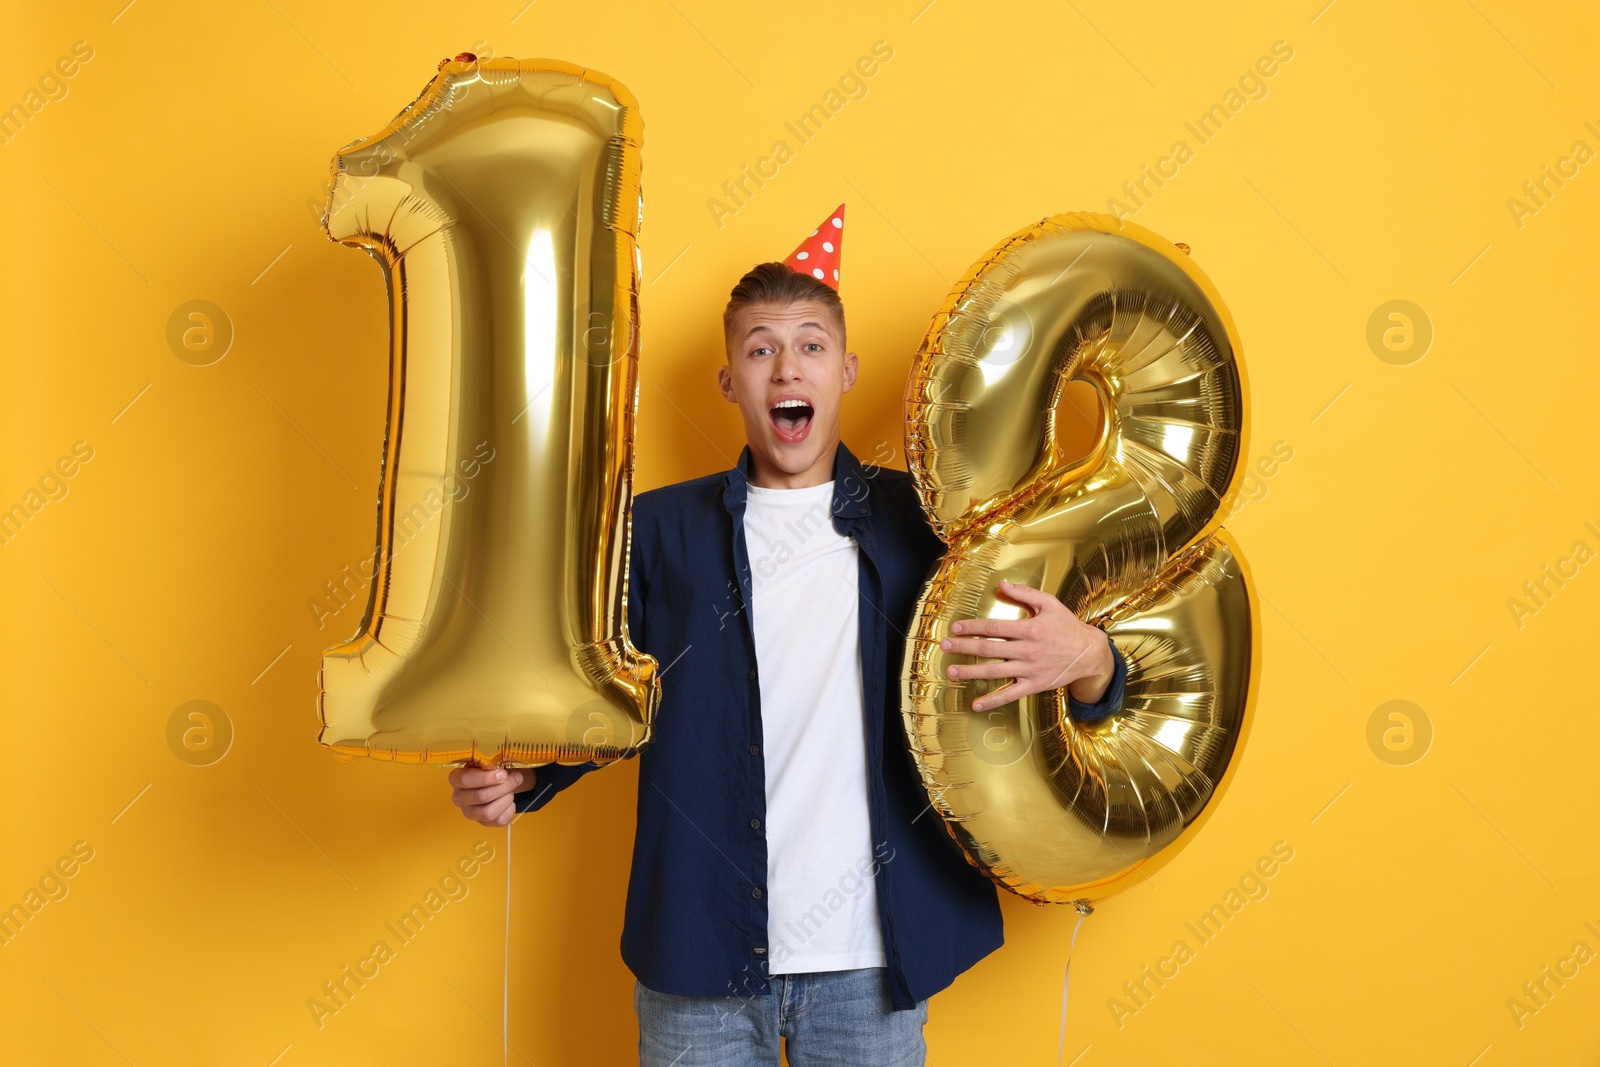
column 1111, row 702
column 548, row 781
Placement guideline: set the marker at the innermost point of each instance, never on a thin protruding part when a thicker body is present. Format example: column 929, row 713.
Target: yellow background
column 1419, row 499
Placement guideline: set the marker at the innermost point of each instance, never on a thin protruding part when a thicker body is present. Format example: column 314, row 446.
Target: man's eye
column 760, row 351
column 816, row 345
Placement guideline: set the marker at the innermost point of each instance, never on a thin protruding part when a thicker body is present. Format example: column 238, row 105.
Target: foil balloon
column 1127, row 536
column 503, row 206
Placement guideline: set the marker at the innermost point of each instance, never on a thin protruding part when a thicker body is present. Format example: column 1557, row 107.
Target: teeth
column 791, row 404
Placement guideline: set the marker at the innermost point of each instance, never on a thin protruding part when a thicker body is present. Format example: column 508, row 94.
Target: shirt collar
column 851, row 498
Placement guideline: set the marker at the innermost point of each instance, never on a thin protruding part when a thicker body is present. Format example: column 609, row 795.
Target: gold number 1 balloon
column 1126, row 536
column 503, row 205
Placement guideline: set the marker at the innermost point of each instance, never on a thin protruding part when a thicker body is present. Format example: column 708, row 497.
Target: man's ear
column 849, row 370
column 725, row 384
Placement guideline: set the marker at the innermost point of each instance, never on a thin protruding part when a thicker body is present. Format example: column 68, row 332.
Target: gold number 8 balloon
column 503, row 205
column 1127, row 536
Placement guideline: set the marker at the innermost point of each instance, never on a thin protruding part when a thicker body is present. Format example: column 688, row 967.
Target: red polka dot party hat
column 818, row 255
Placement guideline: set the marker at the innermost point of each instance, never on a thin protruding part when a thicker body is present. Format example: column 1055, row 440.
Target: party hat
column 818, row 255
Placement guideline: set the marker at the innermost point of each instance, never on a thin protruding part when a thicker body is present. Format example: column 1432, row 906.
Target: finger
column 473, row 777
column 1012, row 691
column 486, row 794
column 487, row 813
column 966, row 671
column 1007, row 628
column 499, row 813
column 514, row 781
column 987, row 648
column 467, row 799
column 471, row 798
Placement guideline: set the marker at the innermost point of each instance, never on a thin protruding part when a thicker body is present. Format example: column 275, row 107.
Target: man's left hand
column 1051, row 649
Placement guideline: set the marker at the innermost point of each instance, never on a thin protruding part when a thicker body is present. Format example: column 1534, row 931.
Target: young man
column 789, row 879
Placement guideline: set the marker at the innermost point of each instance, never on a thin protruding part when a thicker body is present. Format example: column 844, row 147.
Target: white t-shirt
column 822, row 907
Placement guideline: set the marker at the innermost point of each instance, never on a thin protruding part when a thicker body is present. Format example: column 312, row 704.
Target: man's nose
column 786, row 366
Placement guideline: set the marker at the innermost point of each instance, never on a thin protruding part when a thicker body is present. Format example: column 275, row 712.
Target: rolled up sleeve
column 1111, row 701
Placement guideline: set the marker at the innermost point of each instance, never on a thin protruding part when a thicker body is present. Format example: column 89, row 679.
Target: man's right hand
column 485, row 794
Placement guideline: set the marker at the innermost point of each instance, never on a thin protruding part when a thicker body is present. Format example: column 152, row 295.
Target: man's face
column 788, row 372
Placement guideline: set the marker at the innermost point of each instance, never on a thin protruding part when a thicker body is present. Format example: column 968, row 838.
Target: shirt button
column 752, row 673
column 756, row 892
column 755, row 824
column 755, row 750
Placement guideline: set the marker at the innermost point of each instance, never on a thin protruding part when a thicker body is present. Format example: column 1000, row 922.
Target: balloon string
column 1061, row 1044
column 505, row 999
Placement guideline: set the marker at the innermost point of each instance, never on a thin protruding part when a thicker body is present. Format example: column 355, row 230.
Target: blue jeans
column 829, row 1018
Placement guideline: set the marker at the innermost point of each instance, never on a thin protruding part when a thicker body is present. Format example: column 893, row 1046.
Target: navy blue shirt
column 695, row 922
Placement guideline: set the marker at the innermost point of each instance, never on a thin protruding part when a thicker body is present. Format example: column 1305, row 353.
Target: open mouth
column 792, row 419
